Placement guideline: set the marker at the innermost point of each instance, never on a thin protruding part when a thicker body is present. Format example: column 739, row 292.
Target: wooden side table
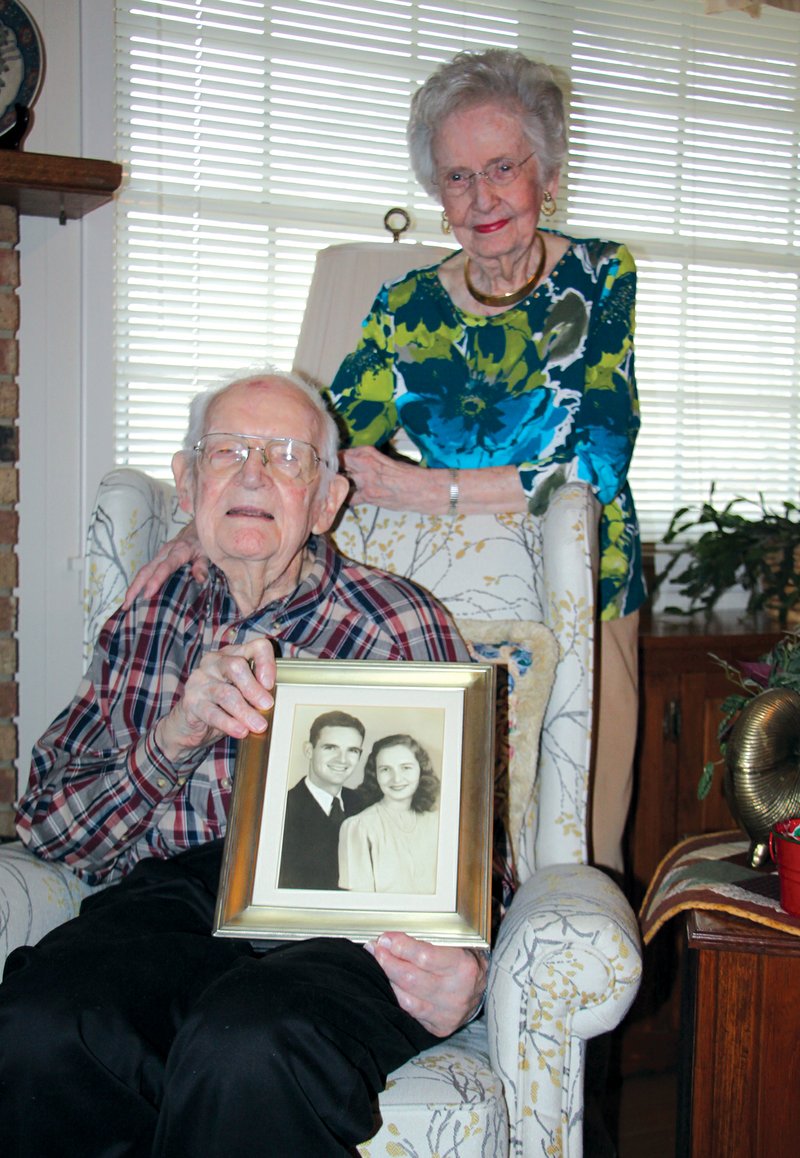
column 740, row 1074
column 681, row 692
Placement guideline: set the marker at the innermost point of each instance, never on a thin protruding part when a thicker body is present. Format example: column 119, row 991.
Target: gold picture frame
column 450, row 705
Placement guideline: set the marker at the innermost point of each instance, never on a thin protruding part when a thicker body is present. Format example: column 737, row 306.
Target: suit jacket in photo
column 310, row 853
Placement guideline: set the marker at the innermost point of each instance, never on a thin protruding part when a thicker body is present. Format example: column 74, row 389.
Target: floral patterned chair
column 567, row 962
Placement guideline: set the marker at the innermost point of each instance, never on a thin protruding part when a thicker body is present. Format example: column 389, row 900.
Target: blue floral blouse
column 547, row 386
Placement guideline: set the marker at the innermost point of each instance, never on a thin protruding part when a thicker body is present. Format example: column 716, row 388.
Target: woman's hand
column 224, row 696
column 438, row 985
column 398, row 486
column 184, row 548
column 402, row 486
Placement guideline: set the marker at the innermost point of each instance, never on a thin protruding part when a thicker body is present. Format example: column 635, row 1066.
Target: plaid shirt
column 102, row 795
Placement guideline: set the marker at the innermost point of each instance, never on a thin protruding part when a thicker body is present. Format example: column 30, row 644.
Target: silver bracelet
column 454, row 493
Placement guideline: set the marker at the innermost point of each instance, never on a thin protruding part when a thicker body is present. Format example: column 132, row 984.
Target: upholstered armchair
column 567, row 962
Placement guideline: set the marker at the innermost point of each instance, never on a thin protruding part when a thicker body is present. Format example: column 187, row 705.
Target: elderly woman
column 509, row 364
column 163, row 1039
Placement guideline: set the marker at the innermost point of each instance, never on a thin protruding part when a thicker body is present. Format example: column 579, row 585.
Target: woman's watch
column 454, row 493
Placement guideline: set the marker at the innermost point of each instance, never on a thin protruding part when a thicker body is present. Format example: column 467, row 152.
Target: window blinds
column 254, row 134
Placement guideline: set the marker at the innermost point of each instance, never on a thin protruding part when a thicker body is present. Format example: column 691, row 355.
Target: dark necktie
column 336, row 814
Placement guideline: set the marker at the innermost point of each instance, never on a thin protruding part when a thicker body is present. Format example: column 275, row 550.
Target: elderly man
column 131, row 1030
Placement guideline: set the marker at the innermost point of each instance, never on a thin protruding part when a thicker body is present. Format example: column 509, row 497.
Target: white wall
column 65, row 374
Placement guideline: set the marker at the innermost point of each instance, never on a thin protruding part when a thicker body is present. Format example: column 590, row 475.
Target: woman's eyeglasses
column 457, row 181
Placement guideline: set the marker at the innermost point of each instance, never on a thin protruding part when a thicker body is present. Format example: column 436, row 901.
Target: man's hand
column 184, row 548
column 438, row 985
column 225, row 695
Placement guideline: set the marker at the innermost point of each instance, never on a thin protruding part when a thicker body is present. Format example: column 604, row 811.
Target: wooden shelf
column 66, row 188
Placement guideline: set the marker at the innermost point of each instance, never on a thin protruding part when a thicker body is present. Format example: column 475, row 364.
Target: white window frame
column 66, row 367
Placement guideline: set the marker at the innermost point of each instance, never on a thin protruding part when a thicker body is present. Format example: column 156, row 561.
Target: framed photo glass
column 365, row 807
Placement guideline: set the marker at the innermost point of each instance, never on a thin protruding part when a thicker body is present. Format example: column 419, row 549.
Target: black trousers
column 131, row 1031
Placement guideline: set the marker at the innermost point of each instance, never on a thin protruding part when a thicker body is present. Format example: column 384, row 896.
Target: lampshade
column 345, row 282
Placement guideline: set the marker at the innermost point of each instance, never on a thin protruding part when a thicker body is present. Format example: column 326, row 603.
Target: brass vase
column 762, row 766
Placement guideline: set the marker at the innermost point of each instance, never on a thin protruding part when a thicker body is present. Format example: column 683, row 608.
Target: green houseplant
column 742, row 542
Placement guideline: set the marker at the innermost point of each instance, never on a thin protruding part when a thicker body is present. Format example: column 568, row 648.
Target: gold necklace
column 509, row 299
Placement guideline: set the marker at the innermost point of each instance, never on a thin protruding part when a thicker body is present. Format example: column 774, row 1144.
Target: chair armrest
column 566, row 967
column 35, row 896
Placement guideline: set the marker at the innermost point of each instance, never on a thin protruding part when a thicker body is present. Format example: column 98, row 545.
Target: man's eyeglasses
column 289, row 458
column 503, row 172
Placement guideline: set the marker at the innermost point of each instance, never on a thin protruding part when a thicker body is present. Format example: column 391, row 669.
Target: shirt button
column 161, row 782
column 225, row 783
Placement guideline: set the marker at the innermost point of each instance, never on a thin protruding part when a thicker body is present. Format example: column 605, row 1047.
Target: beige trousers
column 616, row 721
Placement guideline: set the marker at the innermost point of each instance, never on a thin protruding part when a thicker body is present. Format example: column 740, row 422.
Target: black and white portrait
column 366, row 805
column 362, row 802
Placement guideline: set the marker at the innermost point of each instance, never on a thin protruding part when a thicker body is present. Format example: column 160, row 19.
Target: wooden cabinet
column 741, row 1027
column 682, row 688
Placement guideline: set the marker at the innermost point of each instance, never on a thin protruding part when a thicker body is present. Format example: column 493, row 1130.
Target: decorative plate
column 21, row 60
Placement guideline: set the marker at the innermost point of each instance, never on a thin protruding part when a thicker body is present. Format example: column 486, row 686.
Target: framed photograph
column 365, row 807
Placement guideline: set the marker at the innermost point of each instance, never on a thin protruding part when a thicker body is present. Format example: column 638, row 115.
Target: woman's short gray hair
column 498, row 76
column 201, row 403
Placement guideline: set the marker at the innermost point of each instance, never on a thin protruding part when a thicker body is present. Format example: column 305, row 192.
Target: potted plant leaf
column 741, row 542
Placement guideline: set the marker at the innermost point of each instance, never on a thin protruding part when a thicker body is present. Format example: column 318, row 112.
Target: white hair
column 202, row 402
column 499, row 76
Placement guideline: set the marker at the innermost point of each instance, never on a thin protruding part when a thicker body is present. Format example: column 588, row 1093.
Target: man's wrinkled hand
column 226, row 695
column 440, row 986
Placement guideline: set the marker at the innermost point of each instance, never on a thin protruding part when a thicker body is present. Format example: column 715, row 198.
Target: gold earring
column 548, row 204
column 446, row 226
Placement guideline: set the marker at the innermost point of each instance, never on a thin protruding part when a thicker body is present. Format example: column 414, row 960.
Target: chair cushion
column 446, row 1100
